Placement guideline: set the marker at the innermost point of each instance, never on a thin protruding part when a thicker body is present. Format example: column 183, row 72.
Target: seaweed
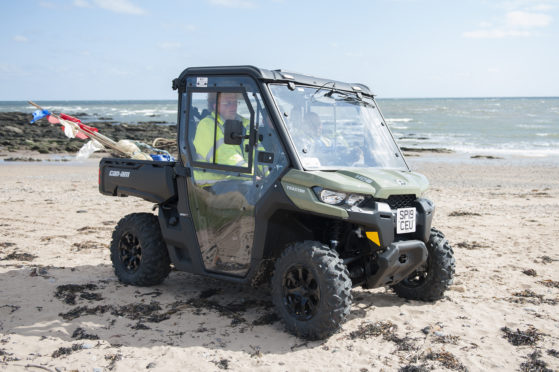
column 15, row 256
column 67, row 292
column 549, row 283
column 222, row 364
column 62, row 351
column 553, row 353
column 547, row 259
column 534, row 363
column 147, row 312
column 470, row 245
column 528, row 296
column 529, row 272
column 414, row 368
column 84, row 310
column 446, row 339
column 140, row 326
column 366, row 330
column 447, row 359
column 463, row 214
column 81, row 334
column 528, row 337
column 112, row 358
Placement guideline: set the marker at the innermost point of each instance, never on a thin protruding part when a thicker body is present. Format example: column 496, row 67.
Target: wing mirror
column 233, row 132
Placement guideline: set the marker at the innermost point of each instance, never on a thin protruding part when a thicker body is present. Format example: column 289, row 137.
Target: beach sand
column 62, row 308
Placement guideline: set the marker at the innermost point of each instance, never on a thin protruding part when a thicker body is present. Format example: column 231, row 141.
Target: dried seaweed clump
column 518, row 338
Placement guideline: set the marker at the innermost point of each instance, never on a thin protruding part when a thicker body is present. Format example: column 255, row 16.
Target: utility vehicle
column 323, row 200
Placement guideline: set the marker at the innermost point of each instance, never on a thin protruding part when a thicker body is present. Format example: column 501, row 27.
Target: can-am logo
column 401, row 182
column 123, row 174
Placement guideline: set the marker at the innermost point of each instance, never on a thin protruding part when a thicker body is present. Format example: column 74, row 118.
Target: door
column 228, row 180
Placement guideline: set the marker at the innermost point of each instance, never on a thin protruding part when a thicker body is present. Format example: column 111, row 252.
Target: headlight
column 354, row 199
column 336, row 197
column 331, row 197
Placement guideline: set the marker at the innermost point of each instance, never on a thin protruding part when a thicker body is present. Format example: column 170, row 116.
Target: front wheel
column 430, row 281
column 311, row 290
column 138, row 252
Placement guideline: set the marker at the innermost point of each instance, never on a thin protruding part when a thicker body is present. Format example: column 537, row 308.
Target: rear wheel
column 138, row 252
column 311, row 290
column 430, row 281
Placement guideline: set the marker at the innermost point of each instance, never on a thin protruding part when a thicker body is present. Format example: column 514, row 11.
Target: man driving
column 223, row 107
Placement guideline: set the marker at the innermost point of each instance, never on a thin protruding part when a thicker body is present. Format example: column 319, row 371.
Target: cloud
column 241, row 4
column 514, row 23
column 118, row 6
column 527, row 20
column 21, row 39
column 82, row 4
column 541, row 7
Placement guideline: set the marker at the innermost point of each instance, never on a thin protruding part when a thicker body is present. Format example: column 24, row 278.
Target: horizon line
column 375, row 95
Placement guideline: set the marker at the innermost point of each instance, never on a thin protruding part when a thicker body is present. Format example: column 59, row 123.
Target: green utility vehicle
column 285, row 179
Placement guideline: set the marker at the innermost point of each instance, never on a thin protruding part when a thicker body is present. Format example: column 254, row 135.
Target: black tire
column 430, row 281
column 138, row 252
column 311, row 290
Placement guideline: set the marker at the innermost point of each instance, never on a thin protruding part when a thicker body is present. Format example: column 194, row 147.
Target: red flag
column 70, row 118
column 80, row 135
column 53, row 120
column 87, row 128
column 84, row 127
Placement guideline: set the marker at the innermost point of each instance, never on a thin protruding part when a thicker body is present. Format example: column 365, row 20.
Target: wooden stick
column 104, row 140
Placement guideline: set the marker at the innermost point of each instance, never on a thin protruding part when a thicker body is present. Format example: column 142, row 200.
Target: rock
column 15, row 130
column 485, row 157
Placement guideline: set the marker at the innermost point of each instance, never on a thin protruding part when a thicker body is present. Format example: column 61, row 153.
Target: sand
column 62, row 308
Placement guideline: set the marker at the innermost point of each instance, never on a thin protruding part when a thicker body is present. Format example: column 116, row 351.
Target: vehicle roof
column 273, row 76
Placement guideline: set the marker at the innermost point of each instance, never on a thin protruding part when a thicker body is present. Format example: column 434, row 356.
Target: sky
column 133, row 49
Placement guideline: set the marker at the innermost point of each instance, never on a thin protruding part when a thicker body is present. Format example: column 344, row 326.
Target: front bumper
column 396, row 263
column 383, row 222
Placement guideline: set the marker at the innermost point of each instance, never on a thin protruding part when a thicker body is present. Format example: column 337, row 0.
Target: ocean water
column 527, row 127
column 521, row 127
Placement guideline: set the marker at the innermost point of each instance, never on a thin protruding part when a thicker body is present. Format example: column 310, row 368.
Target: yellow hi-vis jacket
column 232, row 155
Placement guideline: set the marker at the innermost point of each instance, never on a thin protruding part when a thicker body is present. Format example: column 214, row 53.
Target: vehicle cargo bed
column 153, row 181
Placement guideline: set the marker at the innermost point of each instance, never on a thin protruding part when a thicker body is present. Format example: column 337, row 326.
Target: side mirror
column 233, row 132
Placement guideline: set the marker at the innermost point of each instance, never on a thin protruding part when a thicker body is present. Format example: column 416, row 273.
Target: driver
column 224, row 105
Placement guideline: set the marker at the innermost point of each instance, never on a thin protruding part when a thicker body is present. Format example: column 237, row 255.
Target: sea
column 499, row 127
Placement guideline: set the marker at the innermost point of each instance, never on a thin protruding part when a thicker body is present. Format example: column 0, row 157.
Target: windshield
column 334, row 129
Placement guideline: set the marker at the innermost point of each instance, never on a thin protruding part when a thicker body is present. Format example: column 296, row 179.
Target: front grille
column 400, row 201
column 394, row 201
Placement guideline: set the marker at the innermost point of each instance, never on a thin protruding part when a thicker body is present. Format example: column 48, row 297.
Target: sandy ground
column 61, row 307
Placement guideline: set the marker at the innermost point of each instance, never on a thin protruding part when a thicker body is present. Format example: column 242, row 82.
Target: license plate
column 405, row 220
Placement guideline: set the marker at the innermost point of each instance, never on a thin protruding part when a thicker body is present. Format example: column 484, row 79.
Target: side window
column 208, row 110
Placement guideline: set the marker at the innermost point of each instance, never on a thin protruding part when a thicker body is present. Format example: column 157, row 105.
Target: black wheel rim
column 130, row 252
column 301, row 294
column 417, row 278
